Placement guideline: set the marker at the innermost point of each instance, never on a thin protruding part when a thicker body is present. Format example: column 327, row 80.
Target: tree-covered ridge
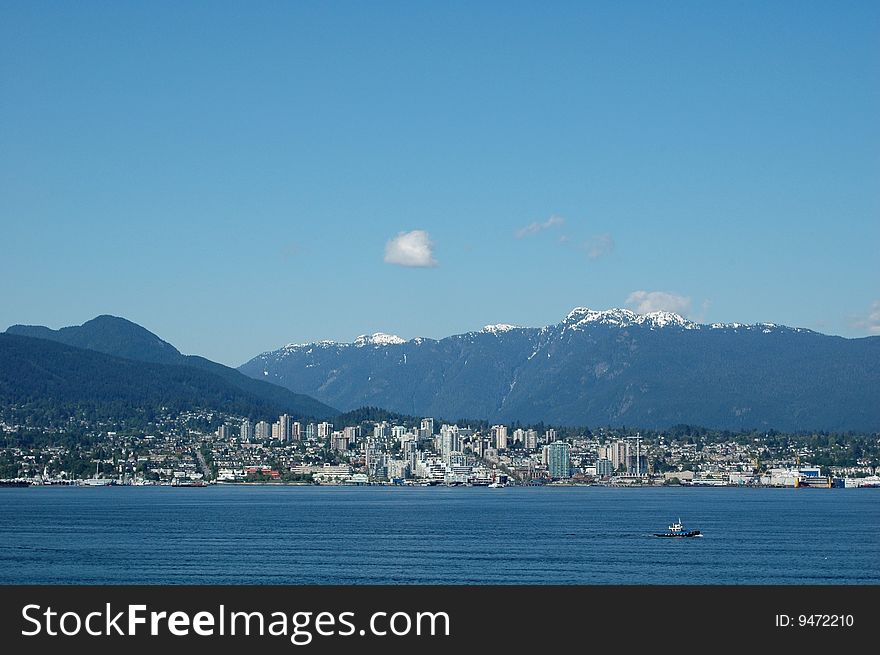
column 50, row 381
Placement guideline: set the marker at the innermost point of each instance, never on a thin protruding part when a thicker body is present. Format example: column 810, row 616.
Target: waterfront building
column 637, row 464
column 398, row 468
column 450, row 441
column 559, row 460
column 616, row 452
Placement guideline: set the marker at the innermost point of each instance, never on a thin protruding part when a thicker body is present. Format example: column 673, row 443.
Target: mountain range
column 612, row 367
column 112, row 365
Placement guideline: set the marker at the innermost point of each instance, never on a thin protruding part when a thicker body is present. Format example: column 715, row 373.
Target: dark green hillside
column 119, row 337
column 55, row 378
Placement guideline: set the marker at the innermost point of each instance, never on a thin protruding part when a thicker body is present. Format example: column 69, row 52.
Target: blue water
column 370, row 535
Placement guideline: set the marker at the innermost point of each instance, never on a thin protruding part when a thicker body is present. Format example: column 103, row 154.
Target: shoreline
column 229, row 485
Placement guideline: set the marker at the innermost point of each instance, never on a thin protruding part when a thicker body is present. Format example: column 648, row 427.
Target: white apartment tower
column 284, row 427
column 499, row 437
column 263, row 430
column 247, row 431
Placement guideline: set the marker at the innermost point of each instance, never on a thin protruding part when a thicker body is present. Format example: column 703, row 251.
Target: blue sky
column 232, row 175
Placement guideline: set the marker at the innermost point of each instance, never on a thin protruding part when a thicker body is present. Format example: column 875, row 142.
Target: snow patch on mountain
column 292, row 347
column 665, row 319
column 498, row 328
column 580, row 317
column 378, row 339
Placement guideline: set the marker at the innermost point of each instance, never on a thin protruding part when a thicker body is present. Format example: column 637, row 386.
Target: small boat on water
column 677, row 530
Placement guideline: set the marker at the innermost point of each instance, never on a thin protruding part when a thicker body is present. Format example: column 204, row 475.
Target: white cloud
column 656, row 301
column 871, row 322
column 599, row 246
column 413, row 249
column 534, row 228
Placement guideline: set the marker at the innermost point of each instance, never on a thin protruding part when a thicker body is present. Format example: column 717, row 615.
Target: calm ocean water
column 370, row 535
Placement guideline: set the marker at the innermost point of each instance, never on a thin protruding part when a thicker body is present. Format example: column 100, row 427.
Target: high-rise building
column 410, row 451
column 604, row 468
column 311, row 432
column 499, row 437
column 636, row 461
column 616, row 452
column 374, row 460
column 338, row 441
column 284, row 427
column 398, row 469
column 427, row 428
column 276, row 431
column 550, row 436
column 397, row 431
column 531, row 439
column 263, row 430
column 296, row 431
column 247, row 431
column 351, row 434
column 449, row 439
column 558, row 460
column 381, row 430
column 324, row 430
column 223, row 432
column 519, row 436
column 449, row 443
column 408, row 437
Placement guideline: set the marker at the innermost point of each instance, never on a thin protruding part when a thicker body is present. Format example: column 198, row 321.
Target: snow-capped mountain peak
column 324, row 343
column 580, row 317
column 378, row 339
column 663, row 319
column 498, row 328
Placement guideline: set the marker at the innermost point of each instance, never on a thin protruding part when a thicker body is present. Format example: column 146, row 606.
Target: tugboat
column 677, row 530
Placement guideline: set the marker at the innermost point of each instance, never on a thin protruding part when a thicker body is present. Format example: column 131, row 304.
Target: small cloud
column 563, row 239
column 534, row 228
column 413, row 249
column 656, row 301
column 871, row 322
column 599, row 246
